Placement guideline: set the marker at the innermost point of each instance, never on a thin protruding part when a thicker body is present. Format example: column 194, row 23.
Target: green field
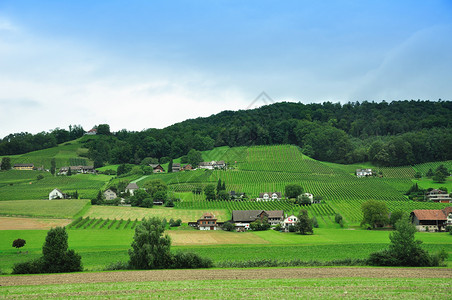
column 20, row 185
column 279, row 288
column 99, row 247
column 43, row 208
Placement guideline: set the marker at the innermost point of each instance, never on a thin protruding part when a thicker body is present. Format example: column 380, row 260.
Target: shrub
column 188, row 260
column 30, row 267
column 119, row 265
column 338, row 218
column 228, row 226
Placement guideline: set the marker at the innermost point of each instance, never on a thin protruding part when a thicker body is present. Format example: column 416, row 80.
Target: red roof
column 430, row 214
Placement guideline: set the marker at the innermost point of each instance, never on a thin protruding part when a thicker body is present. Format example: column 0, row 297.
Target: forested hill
column 389, row 134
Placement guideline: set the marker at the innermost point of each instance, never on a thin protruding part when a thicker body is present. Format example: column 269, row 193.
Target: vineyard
column 93, row 223
column 86, row 185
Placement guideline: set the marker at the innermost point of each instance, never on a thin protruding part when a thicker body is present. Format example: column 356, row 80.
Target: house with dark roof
column 275, row 217
column 23, row 166
column 432, row 219
column 176, row 167
column 243, row 218
column 207, row 222
column 157, row 168
column 437, row 195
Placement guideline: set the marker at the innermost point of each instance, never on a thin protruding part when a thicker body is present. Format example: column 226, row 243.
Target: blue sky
column 141, row 64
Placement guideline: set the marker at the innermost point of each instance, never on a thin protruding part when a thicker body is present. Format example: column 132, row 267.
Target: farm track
column 224, row 274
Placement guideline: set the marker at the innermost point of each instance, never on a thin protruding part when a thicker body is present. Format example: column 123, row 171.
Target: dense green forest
column 388, row 134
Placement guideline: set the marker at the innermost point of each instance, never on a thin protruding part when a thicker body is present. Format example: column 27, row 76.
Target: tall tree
column 170, row 166
column 375, row 213
column 150, row 248
column 304, row 223
column 52, row 166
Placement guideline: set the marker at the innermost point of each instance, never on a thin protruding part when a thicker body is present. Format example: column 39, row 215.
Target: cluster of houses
column 243, row 218
column 363, row 172
column 424, row 220
column 178, row 167
column 77, row 170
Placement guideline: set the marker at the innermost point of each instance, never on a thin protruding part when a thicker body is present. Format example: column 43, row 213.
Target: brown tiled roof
column 447, row 210
column 430, row 214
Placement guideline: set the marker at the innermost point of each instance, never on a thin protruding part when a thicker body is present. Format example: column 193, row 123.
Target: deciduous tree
column 375, row 213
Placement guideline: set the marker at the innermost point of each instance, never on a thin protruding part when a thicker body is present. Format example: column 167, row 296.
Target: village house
column 363, row 172
column 157, row 168
column 206, row 165
column 23, row 166
column 110, row 195
column 275, row 217
column 269, row 196
column 243, row 218
column 432, row 219
column 57, row 194
column 310, row 196
column 187, row 167
column 207, row 222
column 131, row 188
column 211, row 165
column 176, row 167
column 92, row 132
column 77, row 170
column 437, row 195
column 289, row 221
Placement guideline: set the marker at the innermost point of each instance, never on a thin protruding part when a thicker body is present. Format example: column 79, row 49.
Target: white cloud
column 70, row 83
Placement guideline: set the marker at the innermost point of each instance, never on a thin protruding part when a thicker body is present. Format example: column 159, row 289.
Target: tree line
column 388, row 134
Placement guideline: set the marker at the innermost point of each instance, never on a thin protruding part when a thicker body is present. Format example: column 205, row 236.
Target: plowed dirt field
column 179, row 275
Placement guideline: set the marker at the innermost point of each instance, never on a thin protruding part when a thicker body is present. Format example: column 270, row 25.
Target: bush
column 188, row 260
column 119, row 265
column 338, row 218
column 30, row 267
column 228, row 226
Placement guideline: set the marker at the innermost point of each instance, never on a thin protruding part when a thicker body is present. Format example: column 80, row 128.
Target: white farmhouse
column 57, row 194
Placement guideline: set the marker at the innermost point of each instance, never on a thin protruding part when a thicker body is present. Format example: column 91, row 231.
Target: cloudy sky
column 141, row 64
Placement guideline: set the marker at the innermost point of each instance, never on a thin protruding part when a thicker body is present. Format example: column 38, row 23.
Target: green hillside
column 69, row 153
column 252, row 170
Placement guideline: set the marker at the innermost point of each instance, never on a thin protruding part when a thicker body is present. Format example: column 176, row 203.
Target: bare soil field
column 224, row 274
column 197, row 237
column 13, row 223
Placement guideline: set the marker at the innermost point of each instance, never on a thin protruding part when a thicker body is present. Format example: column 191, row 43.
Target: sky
column 149, row 64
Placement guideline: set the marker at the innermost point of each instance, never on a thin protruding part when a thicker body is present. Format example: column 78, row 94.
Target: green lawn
column 99, row 248
column 43, row 208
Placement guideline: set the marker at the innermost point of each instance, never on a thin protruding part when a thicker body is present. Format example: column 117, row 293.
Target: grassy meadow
column 100, row 247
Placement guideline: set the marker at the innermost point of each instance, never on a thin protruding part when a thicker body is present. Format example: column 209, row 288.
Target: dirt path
column 176, row 275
